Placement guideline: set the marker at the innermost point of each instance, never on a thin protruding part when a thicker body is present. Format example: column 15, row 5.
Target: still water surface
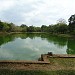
column 30, row 46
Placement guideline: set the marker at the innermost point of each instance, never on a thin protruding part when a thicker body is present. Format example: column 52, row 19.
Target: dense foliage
column 60, row 27
column 72, row 24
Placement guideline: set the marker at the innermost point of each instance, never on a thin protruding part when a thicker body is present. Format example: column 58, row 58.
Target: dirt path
column 50, row 63
column 55, row 64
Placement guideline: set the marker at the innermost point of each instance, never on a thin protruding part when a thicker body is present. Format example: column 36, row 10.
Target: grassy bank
column 55, row 34
column 65, row 35
column 22, row 72
column 62, row 35
column 63, row 63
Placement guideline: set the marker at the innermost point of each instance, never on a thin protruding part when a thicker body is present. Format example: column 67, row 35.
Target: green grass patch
column 63, row 62
column 22, row 72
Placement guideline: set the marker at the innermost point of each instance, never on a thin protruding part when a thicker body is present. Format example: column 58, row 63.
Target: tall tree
column 44, row 28
column 24, row 27
column 71, row 21
column 1, row 26
column 12, row 27
column 61, row 21
column 62, row 26
column 31, row 29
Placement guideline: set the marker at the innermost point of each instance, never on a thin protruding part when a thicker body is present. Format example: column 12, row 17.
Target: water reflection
column 71, row 46
column 30, row 40
column 5, row 39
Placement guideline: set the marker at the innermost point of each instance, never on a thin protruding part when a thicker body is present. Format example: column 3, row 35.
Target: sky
column 36, row 12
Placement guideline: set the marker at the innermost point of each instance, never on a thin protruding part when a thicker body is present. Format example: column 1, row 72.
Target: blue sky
column 36, row 12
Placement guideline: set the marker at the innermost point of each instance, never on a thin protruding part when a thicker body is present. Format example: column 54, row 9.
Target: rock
column 50, row 53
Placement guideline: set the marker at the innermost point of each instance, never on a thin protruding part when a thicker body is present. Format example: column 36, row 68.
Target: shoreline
column 48, row 63
column 55, row 34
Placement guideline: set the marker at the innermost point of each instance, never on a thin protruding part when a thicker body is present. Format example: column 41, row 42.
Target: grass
column 22, row 72
column 65, row 35
column 65, row 63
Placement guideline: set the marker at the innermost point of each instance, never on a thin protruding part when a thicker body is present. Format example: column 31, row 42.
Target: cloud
column 35, row 12
column 6, row 4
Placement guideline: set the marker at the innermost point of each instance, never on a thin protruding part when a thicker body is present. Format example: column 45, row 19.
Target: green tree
column 17, row 29
column 44, row 28
column 1, row 26
column 31, row 29
column 11, row 27
column 4, row 26
column 62, row 26
column 37, row 29
column 24, row 27
column 71, row 21
column 50, row 29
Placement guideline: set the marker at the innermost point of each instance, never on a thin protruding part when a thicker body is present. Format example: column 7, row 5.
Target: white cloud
column 6, row 4
column 35, row 12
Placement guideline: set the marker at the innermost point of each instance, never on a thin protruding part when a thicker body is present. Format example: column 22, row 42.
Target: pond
column 30, row 46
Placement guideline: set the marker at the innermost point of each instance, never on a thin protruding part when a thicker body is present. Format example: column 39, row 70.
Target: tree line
column 59, row 27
